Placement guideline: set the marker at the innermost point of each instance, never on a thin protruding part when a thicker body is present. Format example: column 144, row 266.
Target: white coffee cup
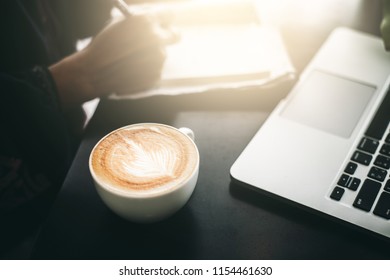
column 145, row 172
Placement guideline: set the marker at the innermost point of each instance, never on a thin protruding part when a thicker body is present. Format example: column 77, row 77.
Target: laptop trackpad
column 329, row 102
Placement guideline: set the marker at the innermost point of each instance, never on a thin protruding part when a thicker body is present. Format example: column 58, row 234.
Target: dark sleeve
column 35, row 150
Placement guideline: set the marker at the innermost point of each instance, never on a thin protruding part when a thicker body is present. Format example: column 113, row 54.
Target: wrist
column 72, row 80
column 41, row 78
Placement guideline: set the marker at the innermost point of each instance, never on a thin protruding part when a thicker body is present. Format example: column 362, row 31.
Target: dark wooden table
column 221, row 220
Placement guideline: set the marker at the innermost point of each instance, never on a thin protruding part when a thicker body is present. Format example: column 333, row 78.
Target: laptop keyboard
column 373, row 151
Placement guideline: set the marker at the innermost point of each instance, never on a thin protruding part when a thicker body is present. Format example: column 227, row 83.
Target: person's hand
column 126, row 56
column 385, row 24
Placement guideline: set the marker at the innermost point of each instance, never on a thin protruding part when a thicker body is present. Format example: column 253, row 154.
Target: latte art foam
column 144, row 158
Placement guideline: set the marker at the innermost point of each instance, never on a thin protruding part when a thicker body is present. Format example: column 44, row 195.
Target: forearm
column 72, row 81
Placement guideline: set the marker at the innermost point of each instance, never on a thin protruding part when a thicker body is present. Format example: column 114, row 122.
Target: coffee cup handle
column 187, row 131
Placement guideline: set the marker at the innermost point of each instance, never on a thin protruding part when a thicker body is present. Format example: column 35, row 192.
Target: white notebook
column 222, row 46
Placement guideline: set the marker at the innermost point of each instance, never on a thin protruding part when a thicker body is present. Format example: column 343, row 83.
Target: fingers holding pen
column 128, row 36
column 129, row 51
column 140, row 70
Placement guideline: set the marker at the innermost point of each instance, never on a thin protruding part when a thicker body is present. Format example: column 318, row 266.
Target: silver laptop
column 326, row 146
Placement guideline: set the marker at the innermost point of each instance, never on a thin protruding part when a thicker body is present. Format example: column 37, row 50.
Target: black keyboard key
column 382, row 161
column 368, row 145
column 387, row 186
column 350, row 168
column 382, row 208
column 379, row 123
column 385, row 150
column 344, row 180
column 354, row 184
column 367, row 195
column 377, row 174
column 361, row 157
column 337, row 193
column 387, row 140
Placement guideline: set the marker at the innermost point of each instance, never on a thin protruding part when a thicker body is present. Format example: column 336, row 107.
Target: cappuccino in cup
column 145, row 172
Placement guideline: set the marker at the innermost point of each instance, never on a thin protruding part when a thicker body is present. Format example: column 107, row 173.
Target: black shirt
column 36, row 145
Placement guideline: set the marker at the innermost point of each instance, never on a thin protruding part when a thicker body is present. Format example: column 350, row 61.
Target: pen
column 122, row 6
